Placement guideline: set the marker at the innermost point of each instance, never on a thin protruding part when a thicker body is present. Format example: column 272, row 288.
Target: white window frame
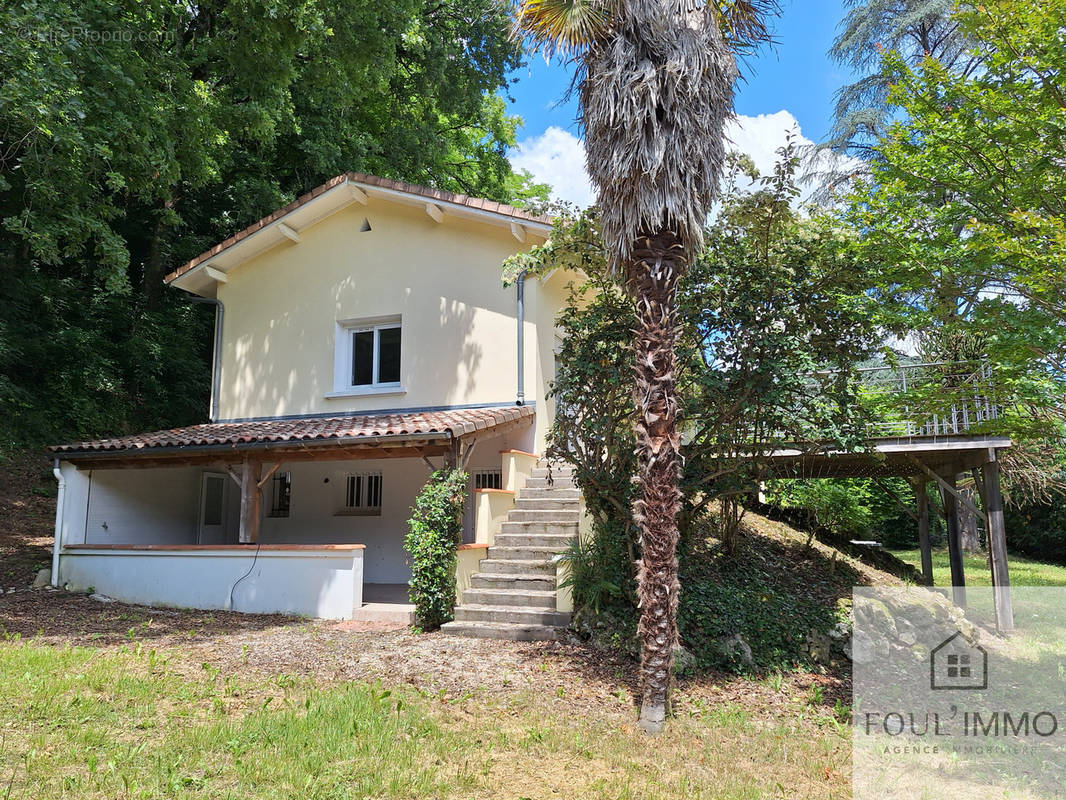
column 344, row 340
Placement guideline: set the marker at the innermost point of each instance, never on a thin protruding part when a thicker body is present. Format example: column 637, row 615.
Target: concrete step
column 515, row 566
column 543, row 492
column 557, row 471
column 510, row 597
column 511, row 580
column 552, row 515
column 553, row 541
column 500, row 630
column 542, row 554
column 510, row 614
column 527, row 528
column 548, row 504
column 542, row 483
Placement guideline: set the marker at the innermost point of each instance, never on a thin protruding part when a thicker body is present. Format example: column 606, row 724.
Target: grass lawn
column 139, row 723
column 1023, row 571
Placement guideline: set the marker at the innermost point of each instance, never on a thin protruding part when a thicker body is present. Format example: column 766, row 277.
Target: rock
column 818, row 647
column 841, row 630
column 44, row 578
column 684, row 662
column 737, row 649
column 101, row 598
column 860, row 649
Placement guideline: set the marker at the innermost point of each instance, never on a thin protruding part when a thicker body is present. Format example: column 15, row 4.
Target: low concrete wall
column 315, row 581
column 470, row 556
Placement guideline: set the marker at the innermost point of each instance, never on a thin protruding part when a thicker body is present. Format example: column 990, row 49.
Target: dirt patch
column 27, row 518
column 265, row 646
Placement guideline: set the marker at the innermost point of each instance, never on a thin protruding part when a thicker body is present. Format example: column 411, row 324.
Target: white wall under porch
column 324, row 581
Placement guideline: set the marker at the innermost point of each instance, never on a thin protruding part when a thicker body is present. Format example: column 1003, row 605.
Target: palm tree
column 655, row 83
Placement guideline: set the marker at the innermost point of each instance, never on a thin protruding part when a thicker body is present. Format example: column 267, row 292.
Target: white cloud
column 557, row 157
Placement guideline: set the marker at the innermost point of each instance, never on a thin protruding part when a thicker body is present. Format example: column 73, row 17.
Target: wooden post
column 997, row 545
column 951, row 511
column 250, row 477
column 923, row 531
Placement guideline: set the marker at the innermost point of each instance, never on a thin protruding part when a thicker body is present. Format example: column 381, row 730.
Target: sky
column 788, row 85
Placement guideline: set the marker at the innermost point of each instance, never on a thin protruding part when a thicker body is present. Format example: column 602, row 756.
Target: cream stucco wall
column 442, row 280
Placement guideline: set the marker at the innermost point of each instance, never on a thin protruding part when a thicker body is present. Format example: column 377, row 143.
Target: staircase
column 514, row 596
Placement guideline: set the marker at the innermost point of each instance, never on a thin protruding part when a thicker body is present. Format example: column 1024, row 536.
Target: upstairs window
column 368, row 357
column 362, row 493
column 376, row 356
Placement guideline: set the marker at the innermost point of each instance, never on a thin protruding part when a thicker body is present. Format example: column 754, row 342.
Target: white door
column 212, row 508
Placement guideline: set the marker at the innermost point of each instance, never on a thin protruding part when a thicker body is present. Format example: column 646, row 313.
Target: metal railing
column 929, row 399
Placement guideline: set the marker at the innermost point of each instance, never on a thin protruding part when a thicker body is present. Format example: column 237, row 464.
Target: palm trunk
column 658, row 262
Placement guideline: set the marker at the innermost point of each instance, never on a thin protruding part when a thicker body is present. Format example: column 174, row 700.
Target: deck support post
column 922, row 496
column 997, row 544
column 251, row 475
column 951, row 511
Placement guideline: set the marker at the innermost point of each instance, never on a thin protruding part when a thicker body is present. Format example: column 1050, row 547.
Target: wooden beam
column 357, row 194
column 269, row 475
column 193, row 459
column 217, row 275
column 249, row 531
column 435, row 212
column 924, row 544
column 958, row 570
column 518, row 232
column 467, row 452
column 289, row 233
column 997, row 546
column 950, row 487
column 237, row 479
column 887, row 490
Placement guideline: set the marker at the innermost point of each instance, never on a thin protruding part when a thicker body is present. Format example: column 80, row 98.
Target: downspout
column 57, row 542
column 216, row 355
column 521, row 298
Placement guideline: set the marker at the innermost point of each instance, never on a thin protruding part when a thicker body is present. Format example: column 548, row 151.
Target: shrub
column 435, row 531
column 1038, row 530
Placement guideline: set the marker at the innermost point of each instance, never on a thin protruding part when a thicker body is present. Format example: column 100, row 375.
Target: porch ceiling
column 392, row 435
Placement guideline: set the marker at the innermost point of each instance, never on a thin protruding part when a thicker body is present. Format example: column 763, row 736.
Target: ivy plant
column 434, row 533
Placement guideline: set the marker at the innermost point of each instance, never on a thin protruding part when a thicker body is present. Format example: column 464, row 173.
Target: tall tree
column 135, row 134
column 655, row 86
column 964, row 211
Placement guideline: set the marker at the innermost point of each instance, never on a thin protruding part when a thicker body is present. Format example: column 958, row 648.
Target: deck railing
column 929, row 399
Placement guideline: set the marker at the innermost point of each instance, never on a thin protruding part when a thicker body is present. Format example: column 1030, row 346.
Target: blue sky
column 789, row 84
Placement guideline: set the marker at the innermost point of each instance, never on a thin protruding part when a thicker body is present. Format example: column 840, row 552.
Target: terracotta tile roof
column 429, row 193
column 344, row 429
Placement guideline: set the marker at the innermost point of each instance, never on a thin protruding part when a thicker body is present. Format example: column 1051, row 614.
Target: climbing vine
column 435, row 531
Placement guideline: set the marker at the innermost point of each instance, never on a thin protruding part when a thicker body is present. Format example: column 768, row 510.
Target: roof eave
column 202, row 275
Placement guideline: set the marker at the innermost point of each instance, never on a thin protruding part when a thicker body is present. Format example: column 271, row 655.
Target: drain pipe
column 521, row 297
column 216, row 355
column 57, row 541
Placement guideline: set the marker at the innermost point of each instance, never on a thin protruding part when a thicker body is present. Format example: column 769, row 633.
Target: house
column 363, row 337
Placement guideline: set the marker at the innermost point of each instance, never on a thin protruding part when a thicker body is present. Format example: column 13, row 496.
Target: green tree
column 134, row 135
column 655, row 88
column 963, row 211
column 755, row 368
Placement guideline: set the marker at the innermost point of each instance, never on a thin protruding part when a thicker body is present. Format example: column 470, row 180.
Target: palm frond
column 560, row 27
column 744, row 23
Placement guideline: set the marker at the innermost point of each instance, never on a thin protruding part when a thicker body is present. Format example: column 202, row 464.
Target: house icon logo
column 957, row 664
